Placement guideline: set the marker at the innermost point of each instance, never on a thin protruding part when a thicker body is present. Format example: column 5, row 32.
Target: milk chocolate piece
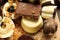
column 47, row 4
column 26, row 9
column 30, row 1
column 25, row 37
column 57, row 2
column 2, row 2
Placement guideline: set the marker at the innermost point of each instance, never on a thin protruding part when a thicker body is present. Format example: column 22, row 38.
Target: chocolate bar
column 30, row 10
column 2, row 2
column 57, row 2
column 30, row 1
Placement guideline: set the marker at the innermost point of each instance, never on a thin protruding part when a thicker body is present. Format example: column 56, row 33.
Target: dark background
column 58, row 12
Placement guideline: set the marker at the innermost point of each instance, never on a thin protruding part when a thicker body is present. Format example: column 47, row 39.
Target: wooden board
column 38, row 36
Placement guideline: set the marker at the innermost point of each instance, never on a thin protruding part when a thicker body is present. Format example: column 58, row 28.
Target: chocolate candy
column 25, row 37
column 30, row 1
column 3, row 2
column 50, row 27
column 49, row 13
column 30, row 10
column 57, row 2
column 46, row 2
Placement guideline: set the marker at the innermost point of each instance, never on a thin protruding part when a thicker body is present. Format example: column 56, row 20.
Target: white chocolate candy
column 48, row 11
column 46, row 15
column 31, row 26
column 44, row 1
column 6, row 13
column 8, row 30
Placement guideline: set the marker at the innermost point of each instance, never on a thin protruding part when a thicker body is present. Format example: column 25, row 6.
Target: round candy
column 6, row 27
column 9, row 10
column 50, row 27
column 25, row 37
column 31, row 26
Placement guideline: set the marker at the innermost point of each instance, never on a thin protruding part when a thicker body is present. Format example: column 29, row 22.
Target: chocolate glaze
column 26, row 9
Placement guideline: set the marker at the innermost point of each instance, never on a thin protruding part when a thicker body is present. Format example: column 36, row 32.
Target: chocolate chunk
column 50, row 27
column 30, row 1
column 25, row 37
column 47, row 4
column 2, row 2
column 57, row 2
column 26, row 9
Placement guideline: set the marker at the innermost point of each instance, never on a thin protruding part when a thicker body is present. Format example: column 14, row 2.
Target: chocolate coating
column 50, row 27
column 25, row 37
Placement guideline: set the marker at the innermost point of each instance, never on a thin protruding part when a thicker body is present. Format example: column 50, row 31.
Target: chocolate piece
column 47, row 4
column 57, row 2
column 30, row 1
column 49, row 13
column 25, row 1
column 25, row 9
column 25, row 37
column 2, row 2
column 50, row 27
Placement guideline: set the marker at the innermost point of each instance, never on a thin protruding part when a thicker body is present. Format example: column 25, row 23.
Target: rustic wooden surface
column 38, row 36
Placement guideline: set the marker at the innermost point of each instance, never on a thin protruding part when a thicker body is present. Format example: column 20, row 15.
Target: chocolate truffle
column 50, row 27
column 30, row 10
column 25, row 37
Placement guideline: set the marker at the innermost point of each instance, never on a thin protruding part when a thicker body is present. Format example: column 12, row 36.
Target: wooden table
column 38, row 36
